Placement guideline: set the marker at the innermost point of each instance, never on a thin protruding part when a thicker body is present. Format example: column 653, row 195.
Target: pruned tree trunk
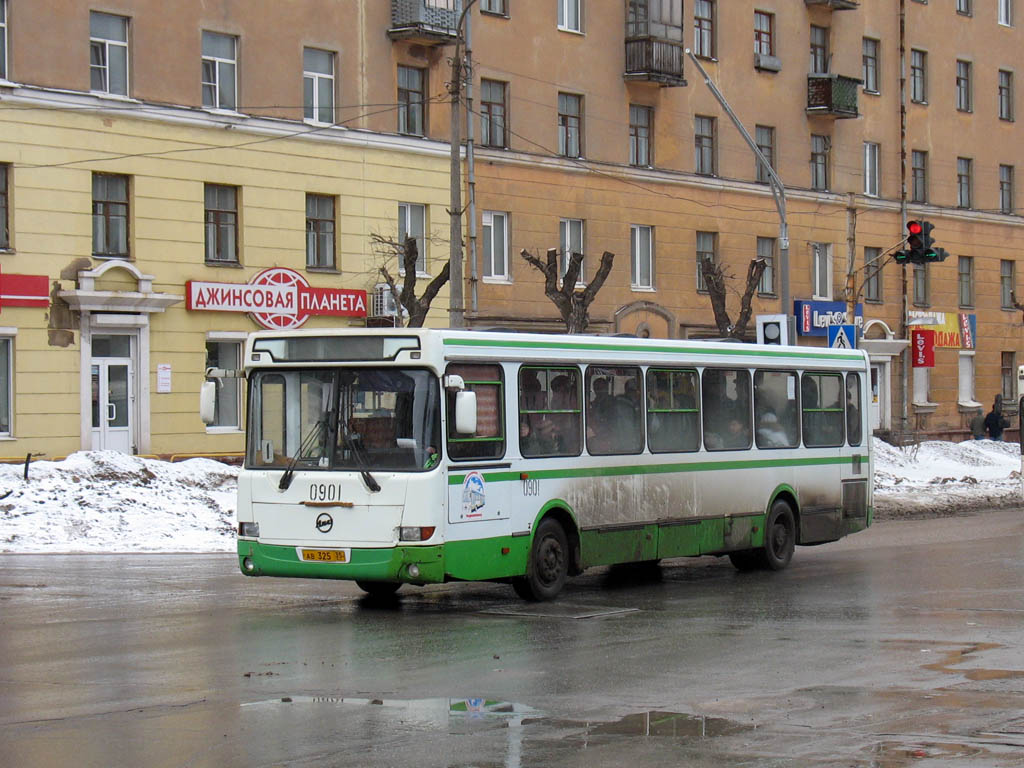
column 416, row 308
column 573, row 305
column 716, row 281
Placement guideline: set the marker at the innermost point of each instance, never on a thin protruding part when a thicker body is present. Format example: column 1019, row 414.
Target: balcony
column 427, row 22
column 836, row 5
column 654, row 60
column 832, row 95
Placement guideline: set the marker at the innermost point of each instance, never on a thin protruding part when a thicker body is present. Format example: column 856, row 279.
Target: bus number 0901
column 531, row 487
column 325, row 492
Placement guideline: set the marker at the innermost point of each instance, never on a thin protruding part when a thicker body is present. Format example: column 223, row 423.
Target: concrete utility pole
column 456, row 304
column 778, row 192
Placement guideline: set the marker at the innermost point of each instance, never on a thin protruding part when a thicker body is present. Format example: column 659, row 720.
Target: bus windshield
column 344, row 418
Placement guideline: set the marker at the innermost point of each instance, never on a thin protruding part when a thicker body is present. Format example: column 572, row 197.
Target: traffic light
column 920, row 245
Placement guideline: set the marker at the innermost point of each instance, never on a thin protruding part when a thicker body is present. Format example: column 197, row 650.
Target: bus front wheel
column 548, row 565
column 378, row 588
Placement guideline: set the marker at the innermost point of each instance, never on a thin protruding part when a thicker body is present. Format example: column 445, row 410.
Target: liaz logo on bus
column 324, row 522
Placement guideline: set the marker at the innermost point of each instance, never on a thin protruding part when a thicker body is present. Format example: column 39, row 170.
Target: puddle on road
column 674, row 725
column 960, row 653
column 432, row 711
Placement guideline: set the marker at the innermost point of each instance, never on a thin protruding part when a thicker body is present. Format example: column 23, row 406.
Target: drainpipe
column 905, row 316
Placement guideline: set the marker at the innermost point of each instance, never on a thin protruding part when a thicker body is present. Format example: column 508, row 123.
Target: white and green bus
column 420, row 456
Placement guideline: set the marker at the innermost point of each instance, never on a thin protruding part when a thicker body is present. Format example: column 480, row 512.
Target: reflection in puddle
column 671, row 724
column 436, row 711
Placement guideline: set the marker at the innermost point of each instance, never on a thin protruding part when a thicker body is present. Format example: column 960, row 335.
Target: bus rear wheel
column 378, row 588
column 779, row 543
column 547, row 568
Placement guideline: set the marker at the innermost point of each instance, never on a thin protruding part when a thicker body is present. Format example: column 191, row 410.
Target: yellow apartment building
column 176, row 175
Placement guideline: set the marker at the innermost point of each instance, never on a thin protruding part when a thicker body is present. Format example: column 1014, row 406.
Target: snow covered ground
column 101, row 501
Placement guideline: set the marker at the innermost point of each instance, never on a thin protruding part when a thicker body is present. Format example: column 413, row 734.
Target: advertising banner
column 922, row 348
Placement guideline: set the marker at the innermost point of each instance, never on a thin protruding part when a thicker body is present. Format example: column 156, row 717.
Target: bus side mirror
column 207, row 401
column 465, row 412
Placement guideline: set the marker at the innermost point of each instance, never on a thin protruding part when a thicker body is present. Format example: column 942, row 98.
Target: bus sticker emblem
column 324, row 522
column 473, row 498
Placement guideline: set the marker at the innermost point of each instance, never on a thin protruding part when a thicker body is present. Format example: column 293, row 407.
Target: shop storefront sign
column 24, row 290
column 953, row 330
column 922, row 348
column 813, row 318
column 277, row 298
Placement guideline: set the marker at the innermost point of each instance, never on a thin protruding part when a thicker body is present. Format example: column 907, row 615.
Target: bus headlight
column 248, row 564
column 414, row 571
column 416, row 533
column 249, row 530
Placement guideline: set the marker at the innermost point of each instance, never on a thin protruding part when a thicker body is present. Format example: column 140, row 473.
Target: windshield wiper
column 304, row 446
column 355, row 443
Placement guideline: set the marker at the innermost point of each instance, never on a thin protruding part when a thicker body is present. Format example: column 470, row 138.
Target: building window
column 227, row 411
column 318, row 85
column 641, row 252
column 412, row 222
column 411, row 100
column 493, row 6
column 963, row 7
column 1007, row 283
column 1008, row 376
column 819, row 161
column 495, row 245
column 5, row 208
column 640, row 135
column 819, row 49
column 965, row 280
column 219, row 71
column 918, row 176
column 704, row 28
column 766, row 252
column 965, row 378
column 108, row 53
column 1005, row 95
column 320, row 231
column 764, row 137
column 1006, row 189
column 570, row 131
column 1006, row 12
column 109, row 215
column 918, row 76
column 492, row 113
column 221, row 224
column 873, row 274
column 3, row 39
column 963, row 182
column 6, row 390
column 871, row 168
column 764, row 37
column 570, row 241
column 869, row 68
column 921, row 285
column 704, row 145
column 707, row 247
column 963, row 86
column 821, row 270
column 570, row 17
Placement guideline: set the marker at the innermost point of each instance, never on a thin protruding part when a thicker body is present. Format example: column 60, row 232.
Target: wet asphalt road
column 899, row 646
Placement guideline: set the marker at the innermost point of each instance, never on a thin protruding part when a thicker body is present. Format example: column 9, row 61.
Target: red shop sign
column 277, row 298
column 922, row 348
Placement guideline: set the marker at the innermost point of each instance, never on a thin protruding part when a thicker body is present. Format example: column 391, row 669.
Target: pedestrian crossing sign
column 842, row 337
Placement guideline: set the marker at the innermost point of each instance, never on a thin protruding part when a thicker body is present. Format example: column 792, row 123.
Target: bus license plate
column 325, row 555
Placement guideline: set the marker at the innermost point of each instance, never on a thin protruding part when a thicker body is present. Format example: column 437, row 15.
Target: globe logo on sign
column 280, row 320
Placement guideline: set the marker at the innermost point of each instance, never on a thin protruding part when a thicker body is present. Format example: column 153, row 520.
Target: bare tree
column 573, row 305
column 416, row 308
column 716, row 281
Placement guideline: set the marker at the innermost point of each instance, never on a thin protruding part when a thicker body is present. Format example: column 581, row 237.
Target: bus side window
column 489, row 440
column 775, row 410
column 614, row 410
column 726, row 399
column 549, row 411
column 822, row 397
column 853, row 409
column 672, row 414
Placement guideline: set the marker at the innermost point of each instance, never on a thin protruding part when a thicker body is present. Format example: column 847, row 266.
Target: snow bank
column 101, row 501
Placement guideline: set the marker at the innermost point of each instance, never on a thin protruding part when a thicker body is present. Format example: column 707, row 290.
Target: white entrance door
column 113, row 394
column 879, row 395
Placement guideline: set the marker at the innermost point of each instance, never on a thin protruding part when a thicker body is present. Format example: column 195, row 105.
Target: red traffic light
column 914, row 227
